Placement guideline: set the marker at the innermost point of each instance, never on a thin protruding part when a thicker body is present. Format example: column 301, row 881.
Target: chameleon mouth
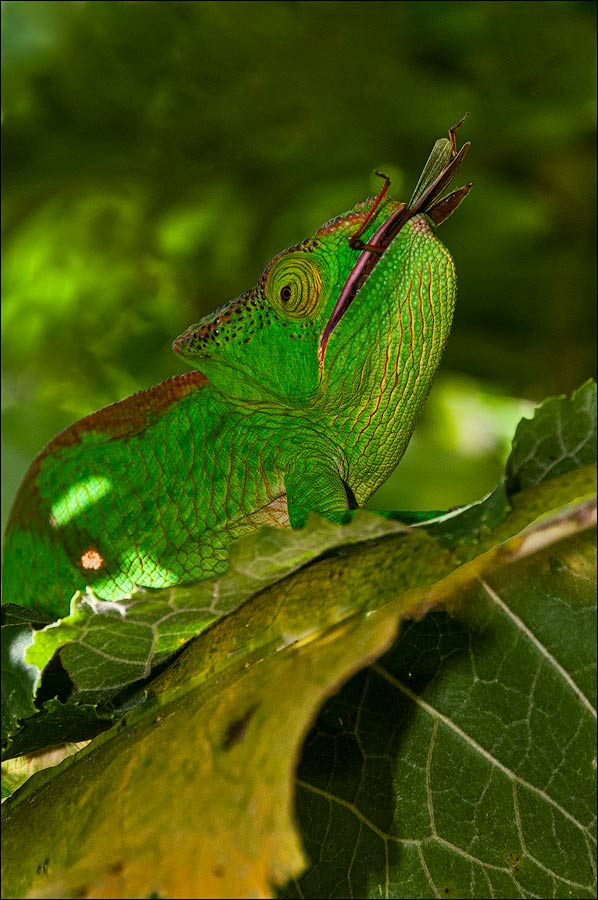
column 427, row 198
column 363, row 268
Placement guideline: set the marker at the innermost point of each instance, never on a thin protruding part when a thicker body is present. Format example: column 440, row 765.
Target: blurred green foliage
column 156, row 156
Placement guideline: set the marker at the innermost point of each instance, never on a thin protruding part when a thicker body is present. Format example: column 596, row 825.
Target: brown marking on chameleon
column 132, row 414
column 353, row 218
column 358, row 216
column 120, row 419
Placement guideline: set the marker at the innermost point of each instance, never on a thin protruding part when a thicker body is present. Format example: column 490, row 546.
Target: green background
column 157, row 155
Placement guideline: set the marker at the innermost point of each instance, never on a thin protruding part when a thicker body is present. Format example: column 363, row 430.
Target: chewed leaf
column 105, row 649
column 191, row 794
column 560, row 436
column 198, row 773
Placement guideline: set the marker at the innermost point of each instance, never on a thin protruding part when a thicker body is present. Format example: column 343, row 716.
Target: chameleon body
column 305, row 393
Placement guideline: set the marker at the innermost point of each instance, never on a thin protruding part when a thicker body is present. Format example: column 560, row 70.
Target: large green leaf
column 104, row 648
column 190, row 794
column 460, row 762
column 560, row 437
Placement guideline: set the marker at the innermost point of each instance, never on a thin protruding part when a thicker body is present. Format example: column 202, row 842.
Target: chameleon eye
column 294, row 286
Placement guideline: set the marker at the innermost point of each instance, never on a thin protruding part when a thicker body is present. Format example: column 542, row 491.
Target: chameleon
column 302, row 398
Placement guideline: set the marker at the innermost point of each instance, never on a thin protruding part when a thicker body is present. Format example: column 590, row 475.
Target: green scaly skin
column 283, row 416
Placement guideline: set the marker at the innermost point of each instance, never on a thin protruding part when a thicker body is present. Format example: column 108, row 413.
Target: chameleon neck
column 372, row 412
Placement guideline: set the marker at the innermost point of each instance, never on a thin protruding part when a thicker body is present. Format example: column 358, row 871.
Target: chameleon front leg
column 317, row 488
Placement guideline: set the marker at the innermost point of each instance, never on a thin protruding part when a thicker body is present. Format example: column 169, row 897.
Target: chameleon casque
column 304, row 395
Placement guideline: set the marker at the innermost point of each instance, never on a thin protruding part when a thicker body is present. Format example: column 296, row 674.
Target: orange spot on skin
column 91, row 559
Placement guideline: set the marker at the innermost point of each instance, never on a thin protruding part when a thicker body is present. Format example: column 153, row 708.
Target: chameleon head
column 331, row 326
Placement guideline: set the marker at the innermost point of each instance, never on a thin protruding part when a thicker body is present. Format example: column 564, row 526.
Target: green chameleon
column 305, row 393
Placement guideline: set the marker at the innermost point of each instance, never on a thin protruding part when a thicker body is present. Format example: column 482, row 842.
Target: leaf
column 15, row 772
column 190, row 793
column 97, row 659
column 222, row 728
column 560, row 437
column 106, row 647
column 19, row 679
column 463, row 762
